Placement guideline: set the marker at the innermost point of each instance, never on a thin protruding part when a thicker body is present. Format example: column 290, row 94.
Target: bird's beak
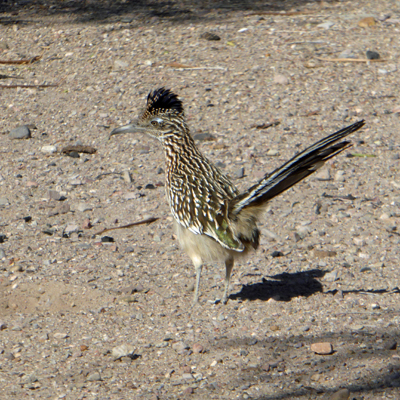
column 131, row 128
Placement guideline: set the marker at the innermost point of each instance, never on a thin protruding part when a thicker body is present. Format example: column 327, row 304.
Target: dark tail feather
column 298, row 168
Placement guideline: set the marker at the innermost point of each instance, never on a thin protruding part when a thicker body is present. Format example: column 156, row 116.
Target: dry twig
column 145, row 221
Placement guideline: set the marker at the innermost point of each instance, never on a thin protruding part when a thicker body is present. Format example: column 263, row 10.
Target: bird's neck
column 180, row 148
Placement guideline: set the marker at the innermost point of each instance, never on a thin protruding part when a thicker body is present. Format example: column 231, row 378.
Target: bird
column 214, row 222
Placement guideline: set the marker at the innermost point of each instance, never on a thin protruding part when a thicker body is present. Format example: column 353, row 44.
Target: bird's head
column 162, row 116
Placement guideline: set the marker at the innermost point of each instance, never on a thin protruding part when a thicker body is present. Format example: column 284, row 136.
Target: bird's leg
column 198, row 263
column 229, row 266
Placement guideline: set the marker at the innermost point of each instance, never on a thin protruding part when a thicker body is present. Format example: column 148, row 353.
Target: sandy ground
column 81, row 318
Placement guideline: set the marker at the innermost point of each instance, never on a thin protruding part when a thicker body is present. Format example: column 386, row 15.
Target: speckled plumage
column 214, row 222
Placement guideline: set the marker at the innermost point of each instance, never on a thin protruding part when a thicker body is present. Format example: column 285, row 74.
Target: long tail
column 296, row 169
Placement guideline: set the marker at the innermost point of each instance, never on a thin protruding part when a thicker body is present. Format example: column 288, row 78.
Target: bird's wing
column 202, row 207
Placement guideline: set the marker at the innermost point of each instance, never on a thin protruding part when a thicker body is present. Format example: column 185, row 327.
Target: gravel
column 326, row 271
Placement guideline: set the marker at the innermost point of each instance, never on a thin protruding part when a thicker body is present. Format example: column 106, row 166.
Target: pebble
column 54, row 195
column 324, row 253
column 180, row 347
column 281, row 79
column 372, row 55
column 359, row 241
column 124, row 350
column 272, row 153
column 49, row 149
column 302, row 231
column 322, row 348
column 326, row 25
column 71, row 228
column 339, row 176
column 367, row 22
column 4, row 202
column 86, row 224
column 331, row 276
column 60, row 335
column 198, row 348
column 62, row 208
column 2, row 254
column 204, row 136
column 82, row 207
column 348, row 53
column 239, row 173
column 22, row 132
column 94, row 376
column 323, row 175
column 209, row 36
column 341, row 394
column 126, row 175
column 118, row 64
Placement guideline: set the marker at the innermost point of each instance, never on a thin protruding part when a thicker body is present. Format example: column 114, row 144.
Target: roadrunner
column 214, row 221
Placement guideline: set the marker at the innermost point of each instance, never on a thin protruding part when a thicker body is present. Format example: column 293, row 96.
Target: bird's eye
column 154, row 123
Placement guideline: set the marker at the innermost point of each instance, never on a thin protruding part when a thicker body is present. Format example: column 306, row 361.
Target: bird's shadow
column 283, row 287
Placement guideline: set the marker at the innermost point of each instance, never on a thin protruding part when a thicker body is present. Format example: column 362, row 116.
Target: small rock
column 348, row 53
column 331, row 276
column 198, row 348
column 54, row 195
column 180, row 347
column 150, row 186
column 124, row 350
column 204, row 136
column 126, row 175
column 2, row 255
column 281, row 79
column 86, row 224
column 367, row 22
column 239, row 173
column 49, row 149
column 60, row 209
column 188, row 390
column 323, row 175
column 390, row 345
column 359, row 241
column 339, row 176
column 60, row 335
column 324, row 253
column 274, row 328
column 322, row 348
column 276, row 253
column 118, row 64
column 4, row 202
column 372, row 55
column 326, row 25
column 93, row 376
column 209, row 36
column 71, row 228
column 272, row 153
column 82, row 207
column 107, row 239
column 302, row 231
column 22, row 132
column 341, row 394
column 214, row 363
column 3, row 326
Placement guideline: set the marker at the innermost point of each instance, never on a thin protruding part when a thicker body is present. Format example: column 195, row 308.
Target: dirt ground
column 88, row 317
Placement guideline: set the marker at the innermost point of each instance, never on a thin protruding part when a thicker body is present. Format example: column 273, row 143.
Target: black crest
column 162, row 101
